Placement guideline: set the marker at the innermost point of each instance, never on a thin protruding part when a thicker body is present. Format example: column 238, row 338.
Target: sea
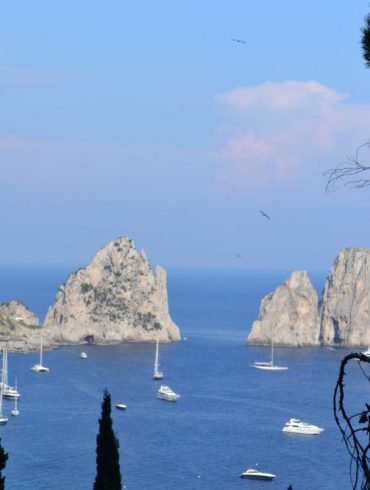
column 229, row 417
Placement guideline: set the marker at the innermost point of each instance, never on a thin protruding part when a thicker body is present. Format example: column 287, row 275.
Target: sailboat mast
column 2, row 385
column 272, row 349
column 156, row 360
column 41, row 350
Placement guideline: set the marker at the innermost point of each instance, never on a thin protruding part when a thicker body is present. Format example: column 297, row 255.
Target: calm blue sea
column 229, row 416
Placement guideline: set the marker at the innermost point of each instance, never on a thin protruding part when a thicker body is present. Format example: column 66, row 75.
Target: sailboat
column 269, row 365
column 8, row 391
column 15, row 411
column 157, row 374
column 3, row 419
column 39, row 368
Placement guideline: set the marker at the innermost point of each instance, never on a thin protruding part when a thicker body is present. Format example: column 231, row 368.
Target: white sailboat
column 15, row 411
column 8, row 391
column 39, row 368
column 157, row 374
column 269, row 366
column 3, row 419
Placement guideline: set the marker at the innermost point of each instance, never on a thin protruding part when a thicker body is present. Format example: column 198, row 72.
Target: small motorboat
column 296, row 426
column 366, row 352
column 121, row 406
column 83, row 355
column 257, row 475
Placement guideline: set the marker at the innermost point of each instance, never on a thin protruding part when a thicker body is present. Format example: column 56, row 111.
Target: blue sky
column 146, row 120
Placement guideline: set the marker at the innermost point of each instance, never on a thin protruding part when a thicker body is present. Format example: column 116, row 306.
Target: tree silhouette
column 3, row 460
column 354, row 427
column 108, row 474
column 365, row 41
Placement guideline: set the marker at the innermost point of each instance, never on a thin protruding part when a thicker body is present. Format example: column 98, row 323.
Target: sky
column 147, row 120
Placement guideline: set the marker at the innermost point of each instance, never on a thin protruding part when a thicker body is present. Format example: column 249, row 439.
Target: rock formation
column 18, row 327
column 345, row 306
column 116, row 298
column 289, row 315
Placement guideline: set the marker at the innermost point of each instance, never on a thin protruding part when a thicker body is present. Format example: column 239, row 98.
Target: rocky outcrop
column 116, row 298
column 16, row 311
column 289, row 315
column 19, row 327
column 345, row 306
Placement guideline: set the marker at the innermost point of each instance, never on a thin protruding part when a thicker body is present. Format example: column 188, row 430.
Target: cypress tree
column 3, row 460
column 108, row 474
column 365, row 41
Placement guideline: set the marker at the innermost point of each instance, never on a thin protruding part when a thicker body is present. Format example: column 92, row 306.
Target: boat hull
column 38, row 368
column 295, row 426
column 257, row 476
column 303, row 432
column 269, row 367
column 121, row 406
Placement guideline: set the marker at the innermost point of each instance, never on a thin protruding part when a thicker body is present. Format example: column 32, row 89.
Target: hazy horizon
column 150, row 121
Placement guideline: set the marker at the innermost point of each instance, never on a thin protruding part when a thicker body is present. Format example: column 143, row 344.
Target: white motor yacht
column 165, row 393
column 11, row 392
column 296, row 426
column 257, row 475
column 83, row 355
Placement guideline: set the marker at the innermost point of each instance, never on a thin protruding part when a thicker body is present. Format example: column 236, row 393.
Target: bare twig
column 347, row 172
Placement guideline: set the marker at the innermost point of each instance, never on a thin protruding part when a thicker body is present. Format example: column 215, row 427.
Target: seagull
column 264, row 214
column 238, row 41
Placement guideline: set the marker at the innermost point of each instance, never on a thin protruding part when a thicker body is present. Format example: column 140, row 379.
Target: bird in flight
column 264, row 214
column 239, row 41
column 239, row 256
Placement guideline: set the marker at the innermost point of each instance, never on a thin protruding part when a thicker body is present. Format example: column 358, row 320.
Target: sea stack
column 345, row 306
column 117, row 298
column 289, row 315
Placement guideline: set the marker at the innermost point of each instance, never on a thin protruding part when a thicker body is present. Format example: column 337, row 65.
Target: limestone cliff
column 116, row 298
column 345, row 306
column 19, row 327
column 289, row 314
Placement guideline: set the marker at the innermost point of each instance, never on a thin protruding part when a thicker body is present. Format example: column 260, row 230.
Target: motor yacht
column 296, row 426
column 257, row 475
column 165, row 393
column 83, row 355
column 10, row 392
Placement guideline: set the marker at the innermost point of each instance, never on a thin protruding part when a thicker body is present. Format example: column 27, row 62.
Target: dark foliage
column 3, row 460
column 365, row 41
column 355, row 428
column 108, row 474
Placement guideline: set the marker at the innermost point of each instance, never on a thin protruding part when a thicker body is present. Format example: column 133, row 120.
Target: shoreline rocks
column 18, row 327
